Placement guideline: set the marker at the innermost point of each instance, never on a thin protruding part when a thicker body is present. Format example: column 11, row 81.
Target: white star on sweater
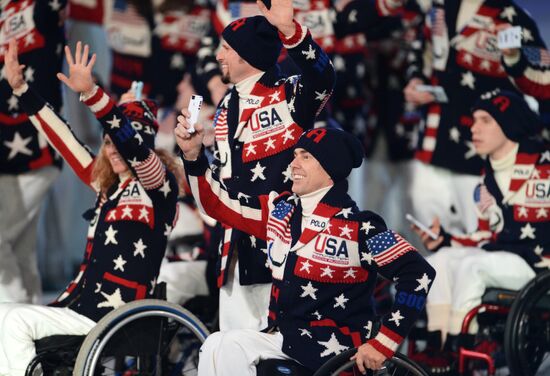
column 543, row 263
column 310, row 53
column 291, row 104
column 305, row 266
column 144, row 214
column 468, row 79
column 366, row 257
column 165, row 188
column 309, row 290
column 110, row 235
column 274, row 97
column 114, row 122
column 471, row 150
column 29, row 74
column 114, row 300
column 321, row 96
column 545, row 156
column 345, row 212
column 542, row 213
column 341, row 301
column 119, row 263
column 349, row 273
column 167, row 229
column 177, row 61
column 29, row 39
column 250, row 149
column 18, row 145
column 288, row 135
column 332, row 346
column 454, row 134
column 112, row 215
column 485, row 64
column 258, row 172
column 305, row 332
column 423, row 283
column 134, row 162
column 13, row 103
column 508, row 13
column 366, row 226
column 126, row 212
column 527, row 35
column 523, row 211
column 527, row 231
column 396, row 318
column 352, row 16
column 97, row 287
column 269, row 144
column 345, row 231
column 327, row 271
column 287, row 174
column 55, row 5
column 139, row 248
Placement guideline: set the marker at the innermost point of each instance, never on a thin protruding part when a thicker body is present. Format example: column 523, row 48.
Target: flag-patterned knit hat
column 511, row 112
column 143, row 118
column 337, row 151
column 255, row 40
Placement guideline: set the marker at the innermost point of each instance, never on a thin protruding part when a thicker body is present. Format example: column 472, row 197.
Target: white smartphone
column 421, row 226
column 194, row 108
column 509, row 38
column 137, row 88
column 437, row 91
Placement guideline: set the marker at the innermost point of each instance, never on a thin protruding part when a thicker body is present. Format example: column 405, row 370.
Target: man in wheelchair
column 324, row 254
column 512, row 242
column 134, row 212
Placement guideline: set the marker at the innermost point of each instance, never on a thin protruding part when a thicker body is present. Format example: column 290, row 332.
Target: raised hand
column 280, row 15
column 80, row 78
column 13, row 70
column 189, row 143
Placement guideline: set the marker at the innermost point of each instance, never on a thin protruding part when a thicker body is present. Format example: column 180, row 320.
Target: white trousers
column 236, row 352
column 184, row 280
column 463, row 274
column 21, row 198
column 243, row 307
column 435, row 191
column 21, row 324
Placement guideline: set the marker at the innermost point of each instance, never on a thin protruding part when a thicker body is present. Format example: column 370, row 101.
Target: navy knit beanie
column 337, row 151
column 255, row 40
column 511, row 112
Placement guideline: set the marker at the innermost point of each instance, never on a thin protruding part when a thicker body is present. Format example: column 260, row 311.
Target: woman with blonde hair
column 133, row 216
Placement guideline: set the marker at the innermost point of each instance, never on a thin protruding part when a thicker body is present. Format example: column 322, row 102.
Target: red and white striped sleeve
column 58, row 133
column 246, row 213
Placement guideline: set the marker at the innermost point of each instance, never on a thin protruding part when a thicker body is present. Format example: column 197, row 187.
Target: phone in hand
column 421, row 226
column 509, row 38
column 194, row 108
column 437, row 91
column 136, row 89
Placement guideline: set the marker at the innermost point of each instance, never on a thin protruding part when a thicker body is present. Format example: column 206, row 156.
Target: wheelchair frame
column 98, row 338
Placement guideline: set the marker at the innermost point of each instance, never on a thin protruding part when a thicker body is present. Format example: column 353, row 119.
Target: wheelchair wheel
column 527, row 333
column 398, row 365
column 144, row 337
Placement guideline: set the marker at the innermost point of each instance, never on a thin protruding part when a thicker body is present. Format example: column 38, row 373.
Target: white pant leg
column 243, row 307
column 434, row 191
column 440, row 297
column 184, row 280
column 21, row 324
column 22, row 196
column 237, row 352
column 481, row 270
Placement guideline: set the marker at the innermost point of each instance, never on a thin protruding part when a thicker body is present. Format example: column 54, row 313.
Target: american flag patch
column 277, row 224
column 220, row 124
column 483, row 198
column 537, row 56
column 388, row 246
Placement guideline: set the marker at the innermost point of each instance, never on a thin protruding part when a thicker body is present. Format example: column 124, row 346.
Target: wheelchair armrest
column 57, row 342
column 499, row 296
